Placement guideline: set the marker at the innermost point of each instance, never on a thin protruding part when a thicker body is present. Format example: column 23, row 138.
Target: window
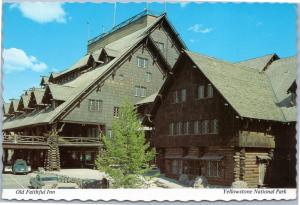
column 196, row 127
column 179, row 128
column 175, row 97
column 140, row 91
column 210, row 91
column 183, row 95
column 214, row 169
column 171, row 129
column 160, row 46
column 109, row 133
column 200, row 92
column 116, row 111
column 95, row 105
column 204, row 127
column 186, row 128
column 93, row 132
column 175, row 167
column 142, row 62
column 215, row 128
column 121, row 77
column 148, row 77
column 179, row 96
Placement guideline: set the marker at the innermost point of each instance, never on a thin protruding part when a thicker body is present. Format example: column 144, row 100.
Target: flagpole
column 115, row 10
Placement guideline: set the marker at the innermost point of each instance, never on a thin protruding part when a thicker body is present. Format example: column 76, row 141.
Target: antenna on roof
column 165, row 6
column 115, row 10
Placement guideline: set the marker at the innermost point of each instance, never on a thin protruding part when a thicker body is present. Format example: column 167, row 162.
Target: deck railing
column 78, row 140
column 21, row 139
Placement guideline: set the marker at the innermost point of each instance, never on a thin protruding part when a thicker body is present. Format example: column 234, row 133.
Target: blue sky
column 39, row 38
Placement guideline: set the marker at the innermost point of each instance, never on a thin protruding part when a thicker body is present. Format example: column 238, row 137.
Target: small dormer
column 5, row 109
column 36, row 96
column 293, row 91
column 23, row 103
column 13, row 108
column 44, row 81
column 56, row 94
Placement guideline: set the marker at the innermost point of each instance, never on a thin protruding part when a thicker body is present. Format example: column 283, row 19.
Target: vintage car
column 65, row 186
column 20, row 167
column 43, row 181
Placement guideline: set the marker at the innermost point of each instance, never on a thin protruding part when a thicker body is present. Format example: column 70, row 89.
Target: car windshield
column 49, row 179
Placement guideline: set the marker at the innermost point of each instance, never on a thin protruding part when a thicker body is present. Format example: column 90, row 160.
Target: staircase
column 53, row 156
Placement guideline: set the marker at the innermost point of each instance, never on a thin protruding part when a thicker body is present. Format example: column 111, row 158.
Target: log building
column 80, row 103
column 226, row 121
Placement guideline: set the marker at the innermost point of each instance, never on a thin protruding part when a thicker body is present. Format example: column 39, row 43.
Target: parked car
column 43, row 181
column 65, row 186
column 20, row 167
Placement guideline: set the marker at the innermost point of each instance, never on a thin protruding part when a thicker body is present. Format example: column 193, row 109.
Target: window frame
column 95, row 105
column 142, row 62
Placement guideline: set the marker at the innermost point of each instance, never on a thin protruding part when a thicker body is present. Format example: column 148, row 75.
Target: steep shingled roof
column 282, row 74
column 83, row 83
column 60, row 92
column 248, row 91
column 258, row 63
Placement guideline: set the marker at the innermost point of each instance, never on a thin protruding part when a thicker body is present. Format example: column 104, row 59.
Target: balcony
column 24, row 142
column 79, row 141
column 40, row 142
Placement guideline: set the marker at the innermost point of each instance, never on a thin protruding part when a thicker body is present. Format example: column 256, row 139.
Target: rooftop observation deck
column 41, row 142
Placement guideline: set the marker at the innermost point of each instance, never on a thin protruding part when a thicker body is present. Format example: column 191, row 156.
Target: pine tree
column 126, row 155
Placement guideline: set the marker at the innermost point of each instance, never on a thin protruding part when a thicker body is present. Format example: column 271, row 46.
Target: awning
column 211, row 157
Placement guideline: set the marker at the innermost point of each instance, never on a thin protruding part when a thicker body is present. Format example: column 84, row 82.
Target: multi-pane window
column 142, row 62
column 95, row 105
column 175, row 167
column 140, row 91
column 171, row 129
column 200, row 92
column 215, row 126
column 183, row 95
column 186, row 128
column 214, row 169
column 160, row 46
column 179, row 128
column 109, row 133
column 93, row 132
column 148, row 77
column 179, row 96
column 210, row 91
column 116, row 111
column 196, row 127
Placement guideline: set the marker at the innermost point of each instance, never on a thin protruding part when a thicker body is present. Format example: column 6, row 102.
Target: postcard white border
column 187, row 194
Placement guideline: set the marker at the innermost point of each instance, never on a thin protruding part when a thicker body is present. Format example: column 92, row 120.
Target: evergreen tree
column 126, row 155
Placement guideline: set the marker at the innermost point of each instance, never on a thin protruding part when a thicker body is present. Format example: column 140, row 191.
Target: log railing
column 78, row 140
column 20, row 139
column 255, row 139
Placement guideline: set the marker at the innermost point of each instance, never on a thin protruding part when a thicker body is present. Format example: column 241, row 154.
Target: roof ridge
column 229, row 63
column 249, row 59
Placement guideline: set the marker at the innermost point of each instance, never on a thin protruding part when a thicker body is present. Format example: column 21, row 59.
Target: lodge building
column 80, row 103
column 227, row 121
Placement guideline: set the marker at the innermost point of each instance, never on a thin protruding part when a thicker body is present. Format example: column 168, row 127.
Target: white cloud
column 42, row 12
column 199, row 28
column 193, row 40
column 17, row 60
column 183, row 4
